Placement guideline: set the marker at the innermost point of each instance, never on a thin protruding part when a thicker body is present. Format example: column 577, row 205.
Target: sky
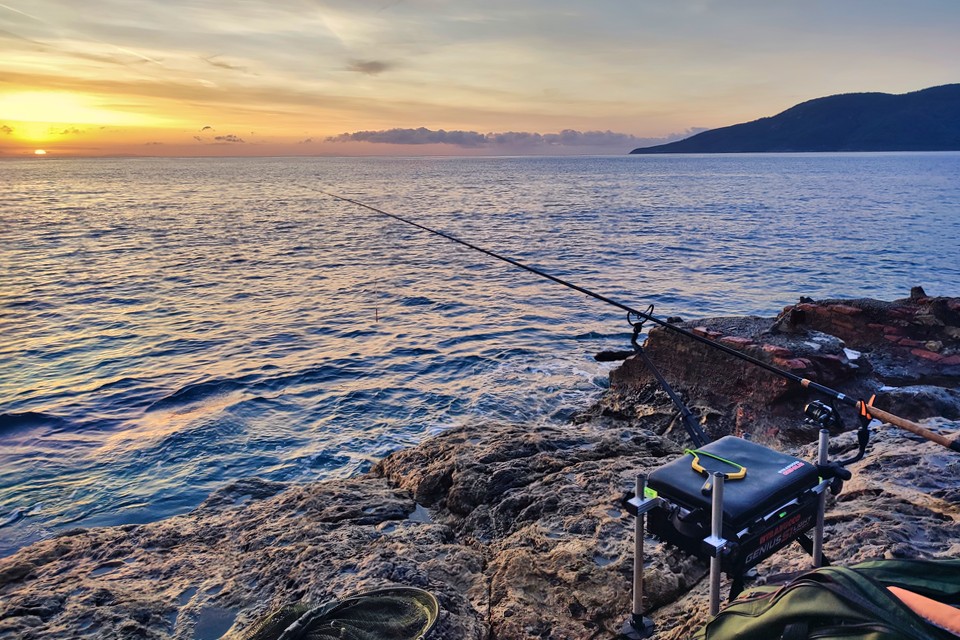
column 429, row 77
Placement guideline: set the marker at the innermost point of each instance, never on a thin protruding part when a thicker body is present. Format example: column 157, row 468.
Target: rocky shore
column 519, row 530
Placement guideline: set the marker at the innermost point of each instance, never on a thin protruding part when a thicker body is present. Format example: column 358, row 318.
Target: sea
column 170, row 325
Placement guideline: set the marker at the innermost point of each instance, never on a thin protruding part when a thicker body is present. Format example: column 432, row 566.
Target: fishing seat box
column 771, row 506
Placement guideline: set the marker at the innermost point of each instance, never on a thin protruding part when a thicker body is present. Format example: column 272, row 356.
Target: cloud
column 226, row 139
column 109, row 58
column 70, row 132
column 152, row 144
column 307, row 141
column 212, row 60
column 473, row 139
column 4, row 129
column 389, row 5
column 369, row 67
column 414, row 136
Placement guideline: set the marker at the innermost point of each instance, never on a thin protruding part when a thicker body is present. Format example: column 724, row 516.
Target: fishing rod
column 866, row 408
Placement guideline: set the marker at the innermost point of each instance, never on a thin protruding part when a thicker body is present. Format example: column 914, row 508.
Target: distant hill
column 927, row 120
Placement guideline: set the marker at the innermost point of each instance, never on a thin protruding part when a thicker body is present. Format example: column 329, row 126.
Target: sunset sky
column 349, row 77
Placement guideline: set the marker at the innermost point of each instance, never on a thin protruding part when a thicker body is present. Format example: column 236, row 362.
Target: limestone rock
column 519, row 530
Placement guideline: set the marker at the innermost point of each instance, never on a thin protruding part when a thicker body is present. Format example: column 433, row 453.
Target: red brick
column 893, row 331
column 736, row 341
column 954, row 304
column 892, row 338
column 777, row 351
column 792, row 363
column 831, row 357
column 951, row 361
column 842, row 322
column 845, row 309
column 902, row 312
column 927, row 355
column 913, row 344
column 707, row 333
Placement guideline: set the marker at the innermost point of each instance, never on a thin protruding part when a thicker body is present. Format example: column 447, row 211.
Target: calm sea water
column 169, row 325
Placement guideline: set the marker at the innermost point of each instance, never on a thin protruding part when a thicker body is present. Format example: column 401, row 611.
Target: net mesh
column 402, row 613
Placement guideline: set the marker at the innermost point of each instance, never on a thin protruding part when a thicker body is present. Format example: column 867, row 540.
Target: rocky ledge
column 519, row 530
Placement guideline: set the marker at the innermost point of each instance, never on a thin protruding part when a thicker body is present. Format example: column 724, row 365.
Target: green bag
column 852, row 603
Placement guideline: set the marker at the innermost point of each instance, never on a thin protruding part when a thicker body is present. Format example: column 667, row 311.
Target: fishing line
column 804, row 382
column 592, row 294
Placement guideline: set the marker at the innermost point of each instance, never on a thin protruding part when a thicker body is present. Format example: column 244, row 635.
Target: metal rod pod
column 637, row 627
column 638, row 549
column 823, row 458
column 716, row 533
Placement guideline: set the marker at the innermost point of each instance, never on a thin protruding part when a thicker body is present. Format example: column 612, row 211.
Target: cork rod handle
column 913, row 427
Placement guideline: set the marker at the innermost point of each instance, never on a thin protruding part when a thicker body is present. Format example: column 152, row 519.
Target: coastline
column 519, row 532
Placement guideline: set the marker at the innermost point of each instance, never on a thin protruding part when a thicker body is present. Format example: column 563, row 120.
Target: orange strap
column 936, row 613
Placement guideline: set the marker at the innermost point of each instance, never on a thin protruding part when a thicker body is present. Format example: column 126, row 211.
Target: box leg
column 823, row 458
column 716, row 533
column 637, row 626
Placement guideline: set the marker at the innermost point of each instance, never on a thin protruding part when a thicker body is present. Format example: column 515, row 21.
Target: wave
column 415, row 301
column 12, row 518
column 598, row 335
column 197, row 392
column 340, row 369
column 10, row 421
column 30, row 304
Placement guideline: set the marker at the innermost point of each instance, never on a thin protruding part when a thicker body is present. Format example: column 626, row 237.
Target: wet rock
column 311, row 543
column 239, row 492
column 15, row 572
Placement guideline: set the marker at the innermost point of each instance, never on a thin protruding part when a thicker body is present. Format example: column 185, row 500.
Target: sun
column 39, row 152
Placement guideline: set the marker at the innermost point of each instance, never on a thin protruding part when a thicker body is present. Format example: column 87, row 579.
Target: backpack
column 849, row 603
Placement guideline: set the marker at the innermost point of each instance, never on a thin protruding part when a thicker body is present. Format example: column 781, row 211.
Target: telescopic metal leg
column 637, row 626
column 823, row 458
column 716, row 536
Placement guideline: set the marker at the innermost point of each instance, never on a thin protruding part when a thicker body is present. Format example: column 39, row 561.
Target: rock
column 311, row 543
column 922, row 402
column 903, row 337
column 15, row 572
column 726, row 391
column 519, row 530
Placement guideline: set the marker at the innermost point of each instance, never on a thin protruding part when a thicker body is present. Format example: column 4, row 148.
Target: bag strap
column 796, row 631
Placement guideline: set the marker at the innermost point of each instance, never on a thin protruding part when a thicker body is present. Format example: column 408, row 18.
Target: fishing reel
column 827, row 417
column 821, row 414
